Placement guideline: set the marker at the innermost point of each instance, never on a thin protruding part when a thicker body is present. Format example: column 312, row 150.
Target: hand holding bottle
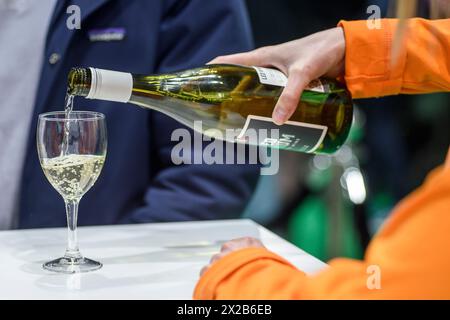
column 302, row 60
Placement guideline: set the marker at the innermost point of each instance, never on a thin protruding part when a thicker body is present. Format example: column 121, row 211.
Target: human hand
column 231, row 246
column 302, row 60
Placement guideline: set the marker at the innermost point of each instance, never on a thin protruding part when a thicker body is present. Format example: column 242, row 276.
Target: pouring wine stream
column 68, row 107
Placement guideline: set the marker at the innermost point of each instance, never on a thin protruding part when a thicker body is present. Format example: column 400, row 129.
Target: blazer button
column 54, row 58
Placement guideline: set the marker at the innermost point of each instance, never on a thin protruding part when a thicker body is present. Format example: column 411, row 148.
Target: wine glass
column 72, row 150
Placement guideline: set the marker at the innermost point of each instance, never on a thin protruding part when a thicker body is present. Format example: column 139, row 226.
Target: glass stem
column 72, row 250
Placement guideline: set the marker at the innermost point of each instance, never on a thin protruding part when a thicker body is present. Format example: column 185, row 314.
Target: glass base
column 72, row 265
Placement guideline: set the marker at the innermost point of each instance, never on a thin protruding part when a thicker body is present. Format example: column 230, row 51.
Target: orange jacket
column 410, row 257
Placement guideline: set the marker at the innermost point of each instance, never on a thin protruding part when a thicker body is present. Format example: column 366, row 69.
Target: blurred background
column 332, row 205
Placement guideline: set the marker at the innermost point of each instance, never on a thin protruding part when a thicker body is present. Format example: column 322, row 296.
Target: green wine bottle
column 230, row 97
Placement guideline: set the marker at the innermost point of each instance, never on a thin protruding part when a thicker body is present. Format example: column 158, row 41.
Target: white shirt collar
column 18, row 6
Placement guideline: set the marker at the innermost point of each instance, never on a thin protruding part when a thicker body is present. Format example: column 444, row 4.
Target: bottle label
column 318, row 86
column 277, row 78
column 271, row 76
column 293, row 135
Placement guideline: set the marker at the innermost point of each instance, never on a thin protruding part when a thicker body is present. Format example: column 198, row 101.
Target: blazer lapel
column 59, row 38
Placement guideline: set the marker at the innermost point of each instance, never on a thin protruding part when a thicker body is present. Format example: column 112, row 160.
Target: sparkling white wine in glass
column 73, row 175
column 72, row 150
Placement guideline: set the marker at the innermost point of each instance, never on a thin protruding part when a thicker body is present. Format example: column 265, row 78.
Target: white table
column 148, row 261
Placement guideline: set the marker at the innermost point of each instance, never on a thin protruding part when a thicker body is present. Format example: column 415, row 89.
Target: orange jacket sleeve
column 408, row 259
column 423, row 64
column 410, row 256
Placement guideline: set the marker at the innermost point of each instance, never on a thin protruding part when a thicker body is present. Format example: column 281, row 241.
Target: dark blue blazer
column 139, row 183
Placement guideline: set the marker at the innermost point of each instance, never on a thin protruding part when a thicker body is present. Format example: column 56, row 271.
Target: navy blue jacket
column 138, row 183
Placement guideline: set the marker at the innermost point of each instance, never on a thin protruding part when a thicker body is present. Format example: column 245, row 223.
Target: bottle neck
column 110, row 85
column 101, row 84
column 79, row 82
column 146, row 86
